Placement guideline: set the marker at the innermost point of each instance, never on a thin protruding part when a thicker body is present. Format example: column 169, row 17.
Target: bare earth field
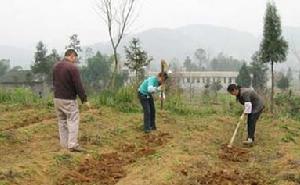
column 185, row 150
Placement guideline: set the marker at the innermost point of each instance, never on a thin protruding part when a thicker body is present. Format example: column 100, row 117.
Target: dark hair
column 233, row 87
column 69, row 52
column 164, row 75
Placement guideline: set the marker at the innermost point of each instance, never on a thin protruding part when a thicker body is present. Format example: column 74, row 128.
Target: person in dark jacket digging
column 146, row 90
column 253, row 107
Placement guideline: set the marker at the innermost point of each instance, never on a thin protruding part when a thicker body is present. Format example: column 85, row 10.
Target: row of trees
column 98, row 69
column 219, row 63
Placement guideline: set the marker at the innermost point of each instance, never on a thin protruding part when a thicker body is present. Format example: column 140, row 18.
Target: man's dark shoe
column 153, row 128
column 77, row 149
column 147, row 131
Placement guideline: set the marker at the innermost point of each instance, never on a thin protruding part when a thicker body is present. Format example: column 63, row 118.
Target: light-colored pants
column 68, row 122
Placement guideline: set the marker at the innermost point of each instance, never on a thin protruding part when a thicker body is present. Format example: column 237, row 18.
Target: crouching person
column 253, row 107
column 145, row 92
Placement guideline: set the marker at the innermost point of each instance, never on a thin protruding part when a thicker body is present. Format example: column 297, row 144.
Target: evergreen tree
column 259, row 71
column 43, row 63
column 289, row 75
column 137, row 58
column 283, row 83
column 273, row 48
column 40, row 59
column 97, row 72
column 201, row 56
column 74, row 43
column 243, row 78
column 4, row 67
column 189, row 65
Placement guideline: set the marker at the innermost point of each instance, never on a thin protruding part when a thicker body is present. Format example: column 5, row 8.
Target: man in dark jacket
column 253, row 107
column 67, row 85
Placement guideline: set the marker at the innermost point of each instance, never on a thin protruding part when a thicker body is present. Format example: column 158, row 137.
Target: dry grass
column 184, row 150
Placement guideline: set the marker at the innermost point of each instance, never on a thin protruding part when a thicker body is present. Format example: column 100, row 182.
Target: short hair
column 233, row 87
column 69, row 52
column 164, row 75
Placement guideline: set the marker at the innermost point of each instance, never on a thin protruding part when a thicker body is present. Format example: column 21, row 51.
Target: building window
column 230, row 80
column 188, row 80
column 198, row 80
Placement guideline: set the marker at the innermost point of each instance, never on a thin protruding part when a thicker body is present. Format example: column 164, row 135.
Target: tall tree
column 40, row 59
column 74, row 43
column 289, row 75
column 189, row 65
column 273, row 48
column 43, row 63
column 137, row 58
column 4, row 67
column 202, row 58
column 52, row 58
column 225, row 63
column 119, row 16
column 243, row 78
column 97, row 72
column 259, row 71
column 283, row 83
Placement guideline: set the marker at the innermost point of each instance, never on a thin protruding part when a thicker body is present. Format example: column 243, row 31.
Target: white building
column 198, row 80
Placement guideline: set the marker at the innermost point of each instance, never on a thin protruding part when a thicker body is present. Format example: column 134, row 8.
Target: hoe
column 235, row 133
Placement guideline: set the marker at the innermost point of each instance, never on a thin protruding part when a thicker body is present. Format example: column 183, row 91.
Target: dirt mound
column 234, row 154
column 108, row 170
column 145, row 152
column 156, row 139
column 226, row 177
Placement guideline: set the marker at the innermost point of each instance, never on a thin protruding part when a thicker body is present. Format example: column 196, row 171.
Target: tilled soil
column 230, row 177
column 234, row 154
column 107, row 171
column 109, row 168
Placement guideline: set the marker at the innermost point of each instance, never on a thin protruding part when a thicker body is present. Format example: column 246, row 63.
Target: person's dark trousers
column 149, row 112
column 252, row 119
column 152, row 113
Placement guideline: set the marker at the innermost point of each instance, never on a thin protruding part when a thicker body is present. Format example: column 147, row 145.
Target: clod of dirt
column 127, row 148
column 226, row 177
column 108, row 170
column 156, row 139
column 234, row 154
column 145, row 152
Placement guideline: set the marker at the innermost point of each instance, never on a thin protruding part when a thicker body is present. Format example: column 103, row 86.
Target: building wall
column 198, row 80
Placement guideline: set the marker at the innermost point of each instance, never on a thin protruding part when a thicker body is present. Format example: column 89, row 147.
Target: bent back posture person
column 253, row 107
column 146, row 90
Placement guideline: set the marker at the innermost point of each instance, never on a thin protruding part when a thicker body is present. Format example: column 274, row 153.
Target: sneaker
column 77, row 149
column 248, row 142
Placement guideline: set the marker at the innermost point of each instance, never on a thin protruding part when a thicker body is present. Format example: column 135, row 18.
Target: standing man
column 67, row 85
column 145, row 92
column 253, row 107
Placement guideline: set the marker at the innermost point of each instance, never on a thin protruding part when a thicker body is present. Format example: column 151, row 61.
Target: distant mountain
column 17, row 56
column 181, row 42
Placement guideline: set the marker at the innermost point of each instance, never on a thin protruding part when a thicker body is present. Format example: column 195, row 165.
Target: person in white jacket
column 253, row 107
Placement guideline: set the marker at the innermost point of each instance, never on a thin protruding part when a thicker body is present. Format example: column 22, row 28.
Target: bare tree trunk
column 272, row 88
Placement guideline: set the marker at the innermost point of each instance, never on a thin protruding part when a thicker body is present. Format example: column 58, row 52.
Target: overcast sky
column 25, row 22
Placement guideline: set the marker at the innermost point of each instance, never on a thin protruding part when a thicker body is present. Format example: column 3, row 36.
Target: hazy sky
column 25, row 22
